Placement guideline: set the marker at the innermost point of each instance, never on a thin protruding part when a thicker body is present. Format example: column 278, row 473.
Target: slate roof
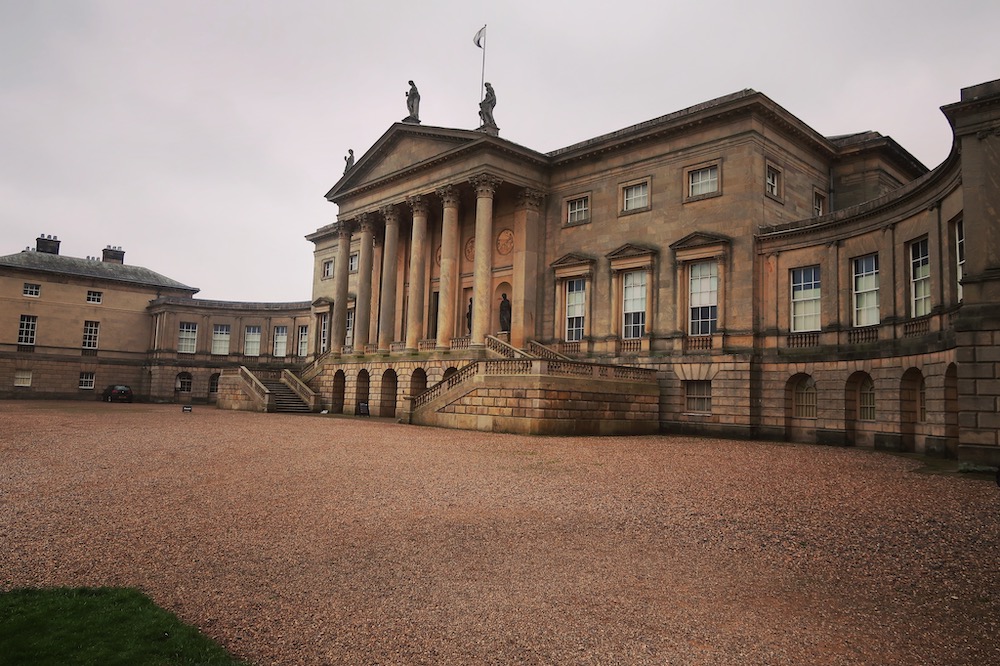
column 45, row 262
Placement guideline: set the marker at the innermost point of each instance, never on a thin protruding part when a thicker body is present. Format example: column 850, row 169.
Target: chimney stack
column 47, row 244
column 114, row 255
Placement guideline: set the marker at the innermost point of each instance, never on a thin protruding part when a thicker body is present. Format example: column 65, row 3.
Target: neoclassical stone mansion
column 723, row 269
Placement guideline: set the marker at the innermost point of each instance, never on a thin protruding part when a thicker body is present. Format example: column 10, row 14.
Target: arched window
column 213, row 383
column 184, row 382
column 804, row 405
column 866, row 400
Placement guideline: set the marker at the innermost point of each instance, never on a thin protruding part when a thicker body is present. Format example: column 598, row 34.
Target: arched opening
column 912, row 407
column 337, row 397
column 418, row 382
column 951, row 409
column 449, row 372
column 387, row 402
column 800, row 408
column 183, row 384
column 213, row 387
column 362, row 393
column 859, row 409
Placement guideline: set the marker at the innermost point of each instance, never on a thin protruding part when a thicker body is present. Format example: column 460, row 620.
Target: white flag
column 480, row 36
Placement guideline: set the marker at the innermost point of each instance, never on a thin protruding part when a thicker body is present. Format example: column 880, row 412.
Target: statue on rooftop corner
column 413, row 104
column 486, row 111
column 486, row 108
column 349, row 160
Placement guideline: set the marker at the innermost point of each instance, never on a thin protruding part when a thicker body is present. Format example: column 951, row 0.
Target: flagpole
column 482, row 78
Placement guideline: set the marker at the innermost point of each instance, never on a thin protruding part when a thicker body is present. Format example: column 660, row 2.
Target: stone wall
column 231, row 394
column 58, row 376
column 545, row 405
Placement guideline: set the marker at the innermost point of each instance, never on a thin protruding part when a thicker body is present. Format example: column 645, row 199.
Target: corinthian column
column 387, row 311
column 449, row 267
column 339, row 324
column 363, row 305
column 485, row 186
column 418, row 250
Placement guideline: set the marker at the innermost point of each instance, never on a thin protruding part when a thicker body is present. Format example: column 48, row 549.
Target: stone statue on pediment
column 486, row 111
column 413, row 104
column 349, row 160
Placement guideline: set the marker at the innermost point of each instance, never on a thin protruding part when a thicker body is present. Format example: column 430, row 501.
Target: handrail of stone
column 498, row 346
column 306, row 394
column 572, row 369
column 510, row 366
column 541, row 351
column 256, row 389
column 445, row 384
column 313, row 368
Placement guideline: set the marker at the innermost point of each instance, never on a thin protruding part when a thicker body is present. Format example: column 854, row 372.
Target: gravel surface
column 329, row 540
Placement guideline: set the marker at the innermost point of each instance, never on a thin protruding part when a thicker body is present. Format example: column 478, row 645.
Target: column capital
column 390, row 214
column 530, row 198
column 419, row 204
column 345, row 228
column 367, row 222
column 449, row 195
column 485, row 184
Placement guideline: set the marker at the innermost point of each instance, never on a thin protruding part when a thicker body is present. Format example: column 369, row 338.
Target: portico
column 411, row 247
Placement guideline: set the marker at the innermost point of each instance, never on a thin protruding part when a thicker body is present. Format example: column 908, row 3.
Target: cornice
column 746, row 102
column 921, row 193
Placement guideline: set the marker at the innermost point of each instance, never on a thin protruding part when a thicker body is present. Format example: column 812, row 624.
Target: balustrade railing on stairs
column 533, row 366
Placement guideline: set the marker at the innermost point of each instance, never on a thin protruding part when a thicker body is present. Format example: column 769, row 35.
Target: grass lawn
column 98, row 626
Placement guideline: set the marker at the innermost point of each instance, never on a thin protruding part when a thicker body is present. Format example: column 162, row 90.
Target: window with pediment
column 573, row 273
column 700, row 260
column 632, row 271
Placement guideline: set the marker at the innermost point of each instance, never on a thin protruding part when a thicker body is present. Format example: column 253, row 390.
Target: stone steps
column 285, row 399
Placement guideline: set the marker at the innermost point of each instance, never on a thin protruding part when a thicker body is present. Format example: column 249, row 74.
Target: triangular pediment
column 402, row 148
column 630, row 250
column 572, row 259
column 699, row 239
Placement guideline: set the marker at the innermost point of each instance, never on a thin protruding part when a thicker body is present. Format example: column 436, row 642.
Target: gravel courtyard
column 328, row 540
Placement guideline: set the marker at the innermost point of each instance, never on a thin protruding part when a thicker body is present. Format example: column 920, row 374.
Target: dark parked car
column 117, row 393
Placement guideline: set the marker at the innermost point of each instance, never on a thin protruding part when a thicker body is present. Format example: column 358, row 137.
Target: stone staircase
column 540, row 392
column 285, row 399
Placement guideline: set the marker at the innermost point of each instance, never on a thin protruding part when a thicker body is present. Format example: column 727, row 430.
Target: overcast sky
column 202, row 135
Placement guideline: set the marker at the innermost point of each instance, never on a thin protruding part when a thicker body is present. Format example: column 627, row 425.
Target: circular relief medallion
column 505, row 241
column 470, row 249
column 437, row 256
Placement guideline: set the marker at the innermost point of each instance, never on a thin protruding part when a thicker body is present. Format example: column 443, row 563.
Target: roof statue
column 413, row 104
column 486, row 112
column 349, row 160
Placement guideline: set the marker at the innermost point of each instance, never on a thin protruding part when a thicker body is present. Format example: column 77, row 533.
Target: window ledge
column 633, row 211
column 702, row 197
